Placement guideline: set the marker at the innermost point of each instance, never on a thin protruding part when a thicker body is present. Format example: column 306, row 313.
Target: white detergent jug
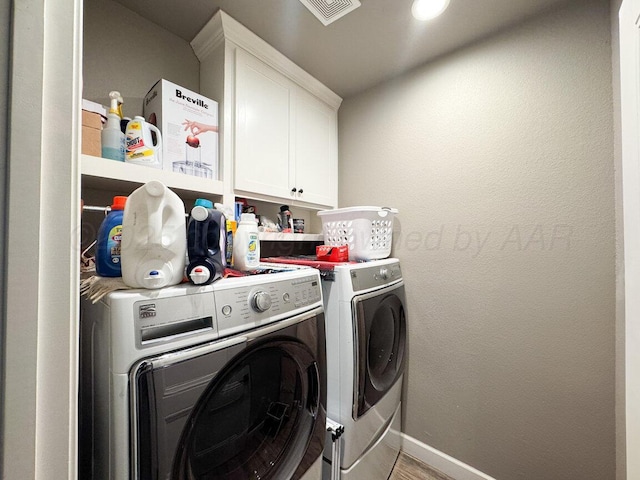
column 140, row 148
column 154, row 241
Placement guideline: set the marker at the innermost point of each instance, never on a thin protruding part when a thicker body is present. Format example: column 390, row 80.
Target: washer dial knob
column 384, row 273
column 261, row 301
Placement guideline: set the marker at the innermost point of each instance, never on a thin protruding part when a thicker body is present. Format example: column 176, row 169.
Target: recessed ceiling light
column 428, row 9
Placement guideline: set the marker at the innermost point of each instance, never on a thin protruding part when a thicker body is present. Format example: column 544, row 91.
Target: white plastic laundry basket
column 366, row 230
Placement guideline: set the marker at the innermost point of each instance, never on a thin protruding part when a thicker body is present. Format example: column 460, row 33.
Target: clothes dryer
column 224, row 381
column 366, row 324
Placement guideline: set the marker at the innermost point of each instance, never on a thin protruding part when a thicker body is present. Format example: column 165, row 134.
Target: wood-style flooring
column 409, row 468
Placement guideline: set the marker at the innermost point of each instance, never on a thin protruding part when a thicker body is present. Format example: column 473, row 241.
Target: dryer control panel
column 247, row 305
column 375, row 276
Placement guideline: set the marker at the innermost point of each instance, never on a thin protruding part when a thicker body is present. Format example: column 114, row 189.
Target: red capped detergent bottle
column 206, row 243
column 109, row 239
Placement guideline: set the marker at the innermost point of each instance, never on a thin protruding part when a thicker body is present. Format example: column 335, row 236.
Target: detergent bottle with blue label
column 109, row 240
column 246, row 244
column 206, row 243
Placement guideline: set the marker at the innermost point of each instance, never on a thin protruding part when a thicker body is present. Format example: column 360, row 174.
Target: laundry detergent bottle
column 154, row 240
column 206, row 243
column 140, row 148
column 246, row 244
column 108, row 248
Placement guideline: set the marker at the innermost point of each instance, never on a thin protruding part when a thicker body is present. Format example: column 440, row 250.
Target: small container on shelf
column 285, row 221
column 298, row 225
column 91, row 133
column 327, row 253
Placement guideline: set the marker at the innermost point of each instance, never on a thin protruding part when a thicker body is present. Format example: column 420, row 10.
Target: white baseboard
column 441, row 461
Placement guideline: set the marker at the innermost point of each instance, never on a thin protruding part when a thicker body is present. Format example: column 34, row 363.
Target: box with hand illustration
column 188, row 123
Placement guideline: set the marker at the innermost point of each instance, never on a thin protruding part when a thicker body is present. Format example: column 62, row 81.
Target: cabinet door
column 262, row 128
column 316, row 150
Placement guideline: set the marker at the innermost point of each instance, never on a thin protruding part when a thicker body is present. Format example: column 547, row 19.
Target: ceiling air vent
column 328, row 11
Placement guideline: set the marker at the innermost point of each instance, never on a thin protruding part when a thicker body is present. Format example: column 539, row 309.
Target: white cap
column 199, row 275
column 248, row 217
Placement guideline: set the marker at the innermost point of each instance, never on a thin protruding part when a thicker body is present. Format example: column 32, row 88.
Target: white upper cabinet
column 263, row 120
column 279, row 124
column 316, row 151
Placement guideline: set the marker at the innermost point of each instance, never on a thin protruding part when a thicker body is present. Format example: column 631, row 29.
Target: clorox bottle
column 206, row 243
column 154, row 237
column 108, row 246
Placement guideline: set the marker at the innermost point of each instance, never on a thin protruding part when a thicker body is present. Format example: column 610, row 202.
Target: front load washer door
column 380, row 332
column 257, row 413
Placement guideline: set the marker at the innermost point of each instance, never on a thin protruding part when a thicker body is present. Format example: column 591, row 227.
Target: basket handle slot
column 384, row 211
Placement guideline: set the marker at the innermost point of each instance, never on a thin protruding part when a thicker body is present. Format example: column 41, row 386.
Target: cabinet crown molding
column 223, row 27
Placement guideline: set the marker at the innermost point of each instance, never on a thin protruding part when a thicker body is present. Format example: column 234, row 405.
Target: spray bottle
column 113, row 140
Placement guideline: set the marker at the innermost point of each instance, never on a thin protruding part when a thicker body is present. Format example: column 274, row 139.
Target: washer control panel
column 257, row 303
column 187, row 312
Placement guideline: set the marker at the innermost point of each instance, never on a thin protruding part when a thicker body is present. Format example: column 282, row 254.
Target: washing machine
column 224, row 381
column 366, row 322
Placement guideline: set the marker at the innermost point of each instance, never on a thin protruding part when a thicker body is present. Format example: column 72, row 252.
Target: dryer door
column 380, row 331
column 253, row 409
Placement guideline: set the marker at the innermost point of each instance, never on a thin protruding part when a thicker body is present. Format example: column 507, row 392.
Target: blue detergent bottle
column 109, row 239
column 206, row 241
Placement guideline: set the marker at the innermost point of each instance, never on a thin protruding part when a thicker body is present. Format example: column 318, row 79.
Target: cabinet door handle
column 300, row 191
column 294, row 190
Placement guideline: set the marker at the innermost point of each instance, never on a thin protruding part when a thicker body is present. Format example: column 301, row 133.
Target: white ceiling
column 373, row 43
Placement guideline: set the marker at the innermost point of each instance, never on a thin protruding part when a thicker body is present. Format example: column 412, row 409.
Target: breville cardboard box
column 91, row 133
column 188, row 123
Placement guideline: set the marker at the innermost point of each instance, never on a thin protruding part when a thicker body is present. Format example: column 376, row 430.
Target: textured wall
column 620, row 297
column 5, row 29
column 500, row 160
column 112, row 61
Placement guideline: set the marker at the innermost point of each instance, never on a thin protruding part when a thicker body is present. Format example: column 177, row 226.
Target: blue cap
column 203, row 202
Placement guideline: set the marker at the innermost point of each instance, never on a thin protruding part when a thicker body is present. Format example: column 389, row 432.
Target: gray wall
column 112, row 61
column 620, row 295
column 5, row 30
column 500, row 160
